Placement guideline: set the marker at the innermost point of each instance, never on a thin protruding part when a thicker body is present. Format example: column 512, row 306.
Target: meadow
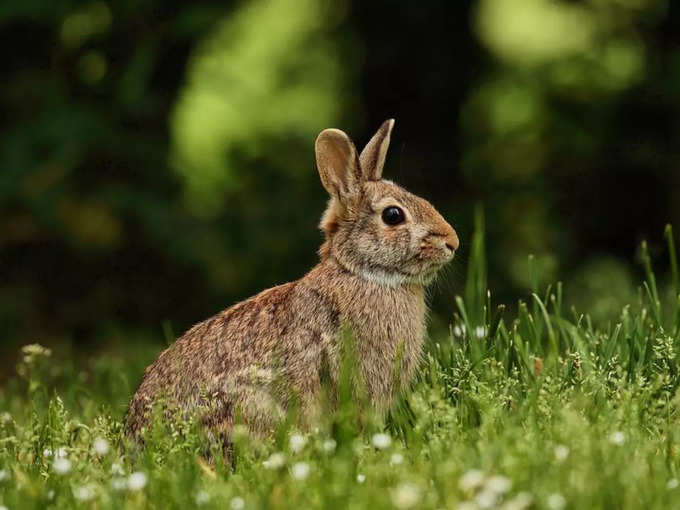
column 533, row 406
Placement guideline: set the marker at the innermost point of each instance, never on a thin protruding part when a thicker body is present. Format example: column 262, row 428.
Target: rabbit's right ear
column 338, row 164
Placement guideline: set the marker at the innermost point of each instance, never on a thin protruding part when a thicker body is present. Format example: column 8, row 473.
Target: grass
column 539, row 410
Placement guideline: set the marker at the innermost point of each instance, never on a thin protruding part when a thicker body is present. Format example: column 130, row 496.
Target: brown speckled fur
column 248, row 360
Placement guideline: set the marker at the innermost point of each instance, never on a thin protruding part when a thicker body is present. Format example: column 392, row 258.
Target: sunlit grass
column 538, row 409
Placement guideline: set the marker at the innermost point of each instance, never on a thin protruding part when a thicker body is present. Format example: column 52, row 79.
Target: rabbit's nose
column 451, row 240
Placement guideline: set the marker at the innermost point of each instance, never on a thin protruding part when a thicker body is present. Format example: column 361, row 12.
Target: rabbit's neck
column 376, row 275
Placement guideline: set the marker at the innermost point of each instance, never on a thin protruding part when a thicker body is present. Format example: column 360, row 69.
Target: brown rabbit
column 382, row 246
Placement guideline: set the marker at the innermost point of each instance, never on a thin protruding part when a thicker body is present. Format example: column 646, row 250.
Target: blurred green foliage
column 156, row 158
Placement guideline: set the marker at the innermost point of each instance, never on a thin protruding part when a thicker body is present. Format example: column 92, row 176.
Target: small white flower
column 521, row 501
column 672, row 484
column 617, row 438
column 486, row 499
column 136, row 481
column 361, row 478
column 459, row 331
column 498, row 484
column 117, row 469
column 329, row 445
column 300, row 470
column 118, row 483
column 202, row 497
column 61, row 466
column 61, row 453
column 480, row 331
column 471, row 480
column 4, row 475
column 275, row 461
column 237, row 503
column 47, row 453
column 406, row 496
column 3, row 507
column 100, row 446
column 50, row 494
column 5, row 417
column 83, row 493
column 561, row 452
column 396, row 459
column 381, row 441
column 297, row 443
column 556, row 501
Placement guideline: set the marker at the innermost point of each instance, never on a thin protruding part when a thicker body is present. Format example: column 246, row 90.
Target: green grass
column 538, row 408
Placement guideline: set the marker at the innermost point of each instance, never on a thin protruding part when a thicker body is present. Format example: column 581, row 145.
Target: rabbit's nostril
column 449, row 247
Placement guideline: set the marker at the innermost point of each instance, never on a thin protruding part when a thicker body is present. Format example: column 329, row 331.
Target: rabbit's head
column 373, row 227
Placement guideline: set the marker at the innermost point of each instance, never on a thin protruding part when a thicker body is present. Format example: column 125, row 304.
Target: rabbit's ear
column 372, row 158
column 338, row 164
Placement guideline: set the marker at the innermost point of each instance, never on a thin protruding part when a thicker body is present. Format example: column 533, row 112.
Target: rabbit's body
column 227, row 362
column 250, row 359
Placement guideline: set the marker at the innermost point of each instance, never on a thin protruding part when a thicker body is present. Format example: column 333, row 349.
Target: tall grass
column 540, row 409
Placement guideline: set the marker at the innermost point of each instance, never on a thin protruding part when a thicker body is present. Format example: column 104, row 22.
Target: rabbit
column 382, row 247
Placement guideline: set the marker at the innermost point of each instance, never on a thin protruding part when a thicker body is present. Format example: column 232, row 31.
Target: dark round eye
column 393, row 215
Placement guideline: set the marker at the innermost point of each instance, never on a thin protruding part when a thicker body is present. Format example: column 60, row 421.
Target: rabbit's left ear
column 372, row 158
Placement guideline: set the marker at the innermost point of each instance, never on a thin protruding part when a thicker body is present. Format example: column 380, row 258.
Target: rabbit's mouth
column 428, row 270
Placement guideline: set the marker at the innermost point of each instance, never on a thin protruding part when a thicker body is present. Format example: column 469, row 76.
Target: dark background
column 156, row 158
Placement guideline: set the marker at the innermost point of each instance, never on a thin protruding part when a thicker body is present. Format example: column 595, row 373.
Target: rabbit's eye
column 393, row 215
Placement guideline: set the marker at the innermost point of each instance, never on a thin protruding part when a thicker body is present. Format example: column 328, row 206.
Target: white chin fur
column 395, row 279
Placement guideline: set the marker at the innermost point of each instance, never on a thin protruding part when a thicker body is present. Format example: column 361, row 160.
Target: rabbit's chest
column 389, row 330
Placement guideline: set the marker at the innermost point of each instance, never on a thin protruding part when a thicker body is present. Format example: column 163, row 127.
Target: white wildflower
column 47, row 453
column 100, row 446
column 406, row 496
column 498, row 484
column 521, row 501
column 62, row 466
column 237, row 503
column 117, row 469
column 83, row 493
column 329, row 445
column 300, row 470
column 118, row 483
column 50, row 494
column 672, row 484
column 4, row 475
column 480, row 331
column 297, row 443
column 396, row 459
column 361, row 478
column 459, row 331
column 275, row 461
column 61, row 453
column 381, row 441
column 202, row 497
column 136, row 481
column 486, row 499
column 471, row 480
column 3, row 507
column 5, row 417
column 561, row 452
column 556, row 501
column 617, row 438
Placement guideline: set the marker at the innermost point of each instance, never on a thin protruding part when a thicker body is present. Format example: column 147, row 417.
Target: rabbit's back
column 248, row 358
